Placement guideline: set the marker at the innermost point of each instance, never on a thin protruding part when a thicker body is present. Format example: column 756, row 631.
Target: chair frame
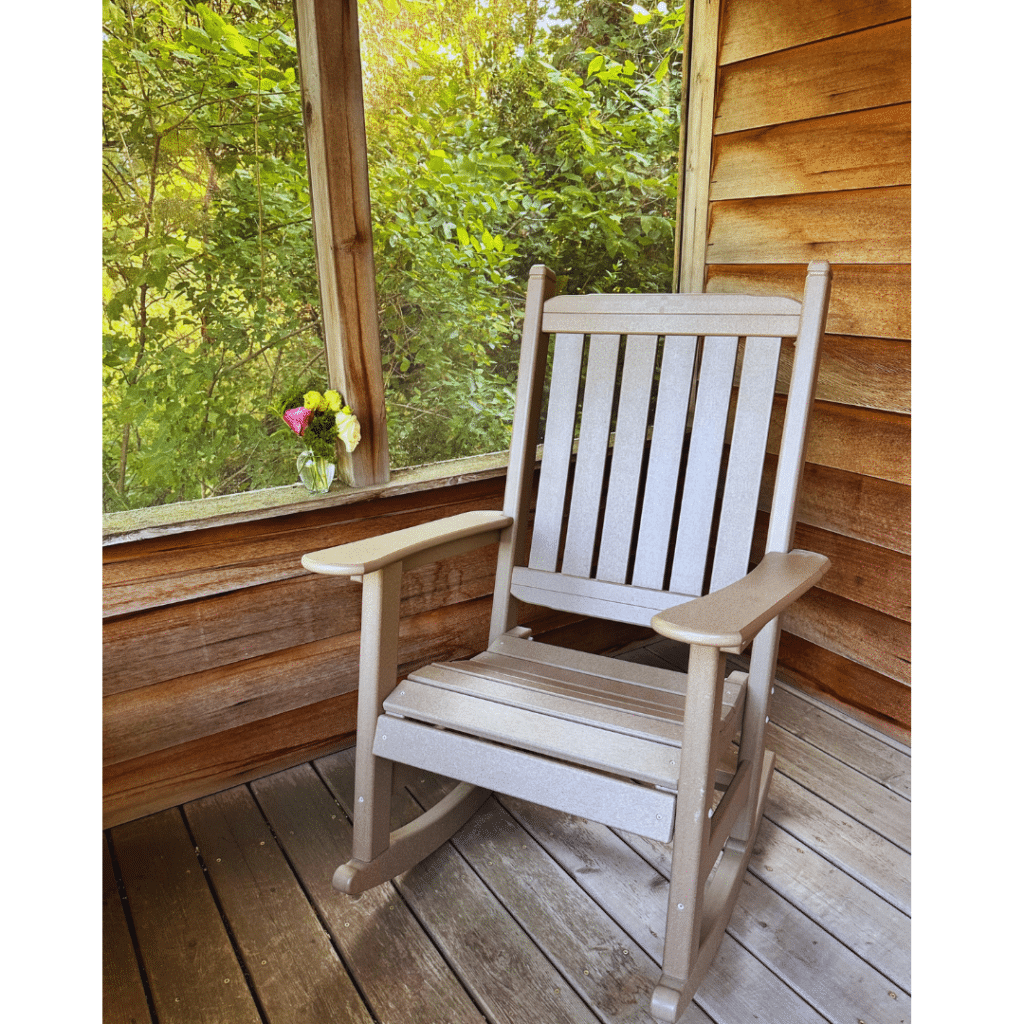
column 712, row 842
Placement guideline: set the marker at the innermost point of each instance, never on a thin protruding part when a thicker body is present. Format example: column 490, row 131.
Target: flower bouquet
column 320, row 420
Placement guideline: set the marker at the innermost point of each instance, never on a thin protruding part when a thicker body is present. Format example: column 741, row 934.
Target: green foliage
column 500, row 135
column 210, row 295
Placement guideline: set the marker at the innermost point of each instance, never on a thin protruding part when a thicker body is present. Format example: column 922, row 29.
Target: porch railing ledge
column 185, row 516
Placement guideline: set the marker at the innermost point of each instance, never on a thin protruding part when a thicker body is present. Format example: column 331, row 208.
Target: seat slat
column 592, row 455
column 647, row 760
column 667, row 441
column 627, row 709
column 714, row 391
column 595, row 665
column 491, row 684
column 627, row 457
column 643, row 692
column 558, row 440
column 746, row 460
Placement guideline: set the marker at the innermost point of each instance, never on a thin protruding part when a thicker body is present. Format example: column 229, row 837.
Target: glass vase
column 315, row 472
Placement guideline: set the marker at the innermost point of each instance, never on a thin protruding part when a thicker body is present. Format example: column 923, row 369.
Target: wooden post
column 700, row 123
column 332, row 103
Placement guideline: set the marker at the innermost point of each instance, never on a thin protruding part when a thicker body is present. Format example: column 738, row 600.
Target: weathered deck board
column 527, row 915
column 287, row 954
column 477, row 932
column 193, row 974
column 403, row 977
column 124, row 995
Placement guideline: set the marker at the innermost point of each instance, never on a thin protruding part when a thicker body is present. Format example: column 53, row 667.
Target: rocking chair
column 653, row 454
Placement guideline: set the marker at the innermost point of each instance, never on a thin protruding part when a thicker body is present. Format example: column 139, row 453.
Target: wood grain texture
column 866, row 508
column 872, row 804
column 332, row 101
column 856, row 848
column 190, row 964
column 288, row 956
column 218, row 631
column 170, row 570
column 867, row 300
column 697, row 143
column 462, row 915
column 877, row 697
column 752, row 27
column 153, row 782
column 873, row 373
column 870, row 68
column 862, row 441
column 124, row 995
column 585, row 944
column 862, row 226
column 869, row 638
column 402, row 975
column 865, row 573
column 198, row 767
column 807, row 945
column 858, row 150
column 862, row 750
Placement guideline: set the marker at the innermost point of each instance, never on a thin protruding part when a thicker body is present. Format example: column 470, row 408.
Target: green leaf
column 596, row 64
column 662, row 70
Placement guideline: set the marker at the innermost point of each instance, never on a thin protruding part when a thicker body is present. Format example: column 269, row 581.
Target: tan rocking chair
column 653, row 454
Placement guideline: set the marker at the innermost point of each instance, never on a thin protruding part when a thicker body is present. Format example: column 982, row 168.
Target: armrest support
column 731, row 617
column 415, row 545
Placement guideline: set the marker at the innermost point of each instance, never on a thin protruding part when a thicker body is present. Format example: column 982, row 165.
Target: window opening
column 211, row 307
column 501, row 134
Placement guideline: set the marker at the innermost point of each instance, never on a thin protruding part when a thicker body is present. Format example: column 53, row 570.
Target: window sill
column 249, row 506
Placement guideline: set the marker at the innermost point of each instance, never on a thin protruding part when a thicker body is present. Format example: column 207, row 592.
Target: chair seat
column 565, row 706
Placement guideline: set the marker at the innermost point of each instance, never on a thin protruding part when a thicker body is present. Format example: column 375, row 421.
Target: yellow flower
column 331, row 402
column 348, row 428
column 312, row 400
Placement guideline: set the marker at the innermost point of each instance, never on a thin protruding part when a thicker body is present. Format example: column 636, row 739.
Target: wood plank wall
column 810, row 159
column 223, row 659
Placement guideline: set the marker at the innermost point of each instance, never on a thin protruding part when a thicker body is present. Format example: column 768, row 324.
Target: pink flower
column 298, row 419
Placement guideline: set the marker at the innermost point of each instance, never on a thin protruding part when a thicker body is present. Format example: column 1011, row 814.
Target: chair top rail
column 647, row 321
column 674, row 303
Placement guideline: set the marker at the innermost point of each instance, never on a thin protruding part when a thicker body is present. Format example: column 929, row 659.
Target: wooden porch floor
column 222, row 910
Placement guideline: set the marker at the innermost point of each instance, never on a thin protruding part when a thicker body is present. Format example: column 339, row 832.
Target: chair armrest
column 731, row 617
column 415, row 545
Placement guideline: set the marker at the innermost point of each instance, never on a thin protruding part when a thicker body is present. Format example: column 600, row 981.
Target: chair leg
column 698, row 914
column 378, row 854
column 378, row 671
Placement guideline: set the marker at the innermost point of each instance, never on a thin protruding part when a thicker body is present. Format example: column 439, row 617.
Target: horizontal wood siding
column 225, row 659
column 810, row 160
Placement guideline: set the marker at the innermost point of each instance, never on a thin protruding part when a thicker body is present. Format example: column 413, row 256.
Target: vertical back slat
column 667, row 440
column 627, row 457
column 746, row 460
column 714, row 391
column 559, row 433
column 591, row 455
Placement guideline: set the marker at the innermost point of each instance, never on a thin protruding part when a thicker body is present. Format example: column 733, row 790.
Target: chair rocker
column 651, row 473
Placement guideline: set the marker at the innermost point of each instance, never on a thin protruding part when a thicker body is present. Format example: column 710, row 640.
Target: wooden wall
column 810, row 159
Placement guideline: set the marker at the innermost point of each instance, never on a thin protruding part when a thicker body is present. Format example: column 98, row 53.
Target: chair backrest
column 654, row 436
